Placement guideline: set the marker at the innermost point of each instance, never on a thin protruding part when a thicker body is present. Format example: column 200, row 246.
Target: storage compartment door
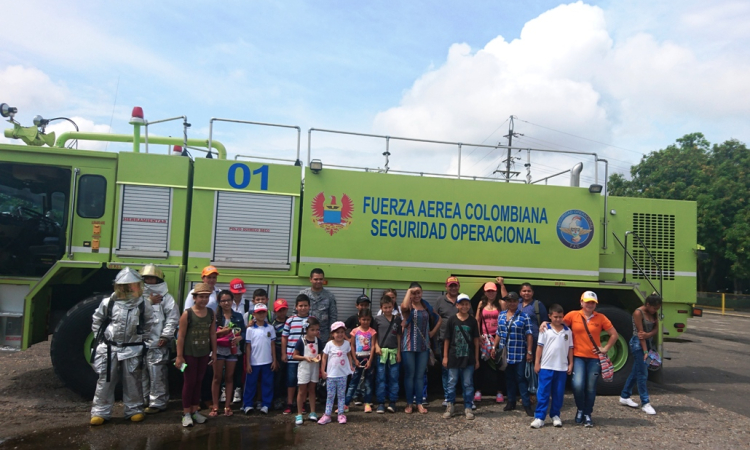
column 144, row 221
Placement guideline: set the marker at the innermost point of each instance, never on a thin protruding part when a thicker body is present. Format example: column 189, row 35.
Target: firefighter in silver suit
column 163, row 327
column 121, row 325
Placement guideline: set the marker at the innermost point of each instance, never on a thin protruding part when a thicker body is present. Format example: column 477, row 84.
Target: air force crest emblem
column 575, row 229
column 332, row 214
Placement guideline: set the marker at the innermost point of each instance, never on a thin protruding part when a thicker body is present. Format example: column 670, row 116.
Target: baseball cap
column 363, row 298
column 490, row 286
column 208, row 270
column 260, row 307
column 280, row 304
column 452, row 280
column 589, row 296
column 237, row 286
column 337, row 325
column 511, row 296
column 463, row 298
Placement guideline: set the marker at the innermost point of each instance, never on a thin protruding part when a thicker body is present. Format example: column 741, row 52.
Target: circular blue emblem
column 575, row 229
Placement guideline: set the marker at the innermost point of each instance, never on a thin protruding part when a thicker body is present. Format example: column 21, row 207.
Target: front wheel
column 619, row 353
column 71, row 347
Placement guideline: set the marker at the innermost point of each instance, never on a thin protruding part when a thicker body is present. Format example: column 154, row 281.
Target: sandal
column 228, row 411
column 422, row 409
column 214, row 412
column 408, row 409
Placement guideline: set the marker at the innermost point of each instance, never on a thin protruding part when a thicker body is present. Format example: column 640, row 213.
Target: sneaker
column 587, row 422
column 448, row 412
column 579, row 416
column 237, row 395
column 391, row 407
column 140, row 416
column 187, row 421
column 96, row 420
column 287, row 410
column 499, row 398
column 199, row 418
column 223, row 396
column 473, row 406
column 346, row 410
column 556, row 422
column 425, row 403
column 357, row 402
column 477, row 396
column 298, row 420
column 529, row 410
column 342, row 419
column 324, row 420
column 312, row 416
column 510, row 406
column 264, row 409
column 368, row 408
column 445, row 403
column 648, row 409
column 248, row 409
column 469, row 415
column 537, row 423
column 628, row 402
column 381, row 409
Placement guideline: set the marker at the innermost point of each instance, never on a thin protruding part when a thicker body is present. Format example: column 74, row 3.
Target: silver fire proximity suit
column 119, row 356
column 163, row 327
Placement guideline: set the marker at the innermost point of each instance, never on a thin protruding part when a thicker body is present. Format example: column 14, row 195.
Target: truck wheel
column 620, row 355
column 71, row 347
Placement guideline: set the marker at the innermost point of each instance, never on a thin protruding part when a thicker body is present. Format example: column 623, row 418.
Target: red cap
column 237, row 286
column 280, row 304
column 451, row 280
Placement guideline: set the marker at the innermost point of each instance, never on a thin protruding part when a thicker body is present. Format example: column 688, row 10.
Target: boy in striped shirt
column 294, row 329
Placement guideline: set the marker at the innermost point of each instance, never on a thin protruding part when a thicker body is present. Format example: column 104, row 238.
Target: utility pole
column 510, row 136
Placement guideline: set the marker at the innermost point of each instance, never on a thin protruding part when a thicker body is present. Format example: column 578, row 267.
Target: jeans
column 639, row 374
column 358, row 374
column 585, row 375
column 264, row 373
column 415, row 364
column 551, row 390
column 467, row 374
column 515, row 379
column 387, row 376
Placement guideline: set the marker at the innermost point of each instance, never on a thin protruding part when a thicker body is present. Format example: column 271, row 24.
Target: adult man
column 322, row 303
column 209, row 275
column 536, row 311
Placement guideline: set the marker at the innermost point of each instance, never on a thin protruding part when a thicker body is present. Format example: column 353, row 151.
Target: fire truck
column 71, row 218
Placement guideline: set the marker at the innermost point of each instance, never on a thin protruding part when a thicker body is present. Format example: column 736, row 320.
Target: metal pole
column 723, row 300
column 459, row 160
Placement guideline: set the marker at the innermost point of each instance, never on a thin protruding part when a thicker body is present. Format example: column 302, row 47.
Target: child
column 363, row 302
column 209, row 276
column 307, row 352
column 120, row 324
column 336, row 365
column 163, row 327
column 294, row 329
column 260, row 360
column 280, row 309
column 554, row 362
column 388, row 351
column 241, row 306
column 362, row 342
column 645, row 327
column 261, row 296
column 196, row 340
column 461, row 355
column 231, row 329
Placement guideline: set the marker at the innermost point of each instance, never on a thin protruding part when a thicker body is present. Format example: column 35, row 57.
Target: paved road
column 712, row 362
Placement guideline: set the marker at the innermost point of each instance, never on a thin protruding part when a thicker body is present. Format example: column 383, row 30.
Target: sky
column 616, row 78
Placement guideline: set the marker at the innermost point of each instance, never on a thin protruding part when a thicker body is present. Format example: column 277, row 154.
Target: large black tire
column 623, row 323
column 69, row 358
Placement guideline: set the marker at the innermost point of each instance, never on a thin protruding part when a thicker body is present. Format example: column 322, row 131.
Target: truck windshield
column 33, row 214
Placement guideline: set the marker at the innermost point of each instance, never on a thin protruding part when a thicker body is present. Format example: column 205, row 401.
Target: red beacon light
column 176, row 150
column 136, row 118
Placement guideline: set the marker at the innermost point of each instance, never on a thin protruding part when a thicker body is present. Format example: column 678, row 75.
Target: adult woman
column 587, row 325
column 514, row 334
column 645, row 327
column 488, row 378
column 415, row 345
column 196, row 339
column 227, row 356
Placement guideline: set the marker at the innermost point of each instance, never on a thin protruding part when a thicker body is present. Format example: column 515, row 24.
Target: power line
column 581, row 137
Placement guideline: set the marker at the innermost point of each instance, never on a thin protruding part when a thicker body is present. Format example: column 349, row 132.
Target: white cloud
column 566, row 72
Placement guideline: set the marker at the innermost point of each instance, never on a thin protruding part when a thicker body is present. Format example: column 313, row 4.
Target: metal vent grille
column 657, row 233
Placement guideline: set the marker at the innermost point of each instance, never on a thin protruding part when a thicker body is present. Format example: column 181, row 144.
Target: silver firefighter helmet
column 127, row 276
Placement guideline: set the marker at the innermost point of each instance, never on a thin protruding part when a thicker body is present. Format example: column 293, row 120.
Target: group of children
column 282, row 351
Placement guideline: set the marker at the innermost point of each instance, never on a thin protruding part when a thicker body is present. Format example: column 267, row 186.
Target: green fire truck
column 71, row 218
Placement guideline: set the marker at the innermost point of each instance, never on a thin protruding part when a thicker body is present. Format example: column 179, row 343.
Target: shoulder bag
column 608, row 372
